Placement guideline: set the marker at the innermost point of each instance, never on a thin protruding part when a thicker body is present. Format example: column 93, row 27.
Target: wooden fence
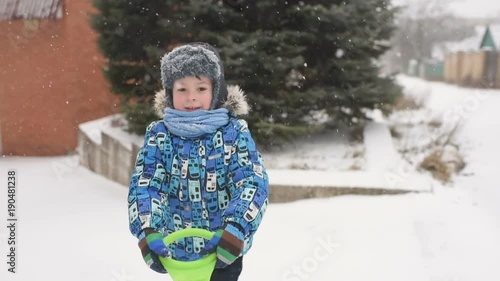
column 473, row 69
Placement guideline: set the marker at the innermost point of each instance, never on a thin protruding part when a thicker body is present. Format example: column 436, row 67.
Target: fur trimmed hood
column 236, row 102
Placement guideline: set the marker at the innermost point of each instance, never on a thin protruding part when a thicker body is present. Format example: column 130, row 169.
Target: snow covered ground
column 74, row 226
column 479, row 137
column 331, row 151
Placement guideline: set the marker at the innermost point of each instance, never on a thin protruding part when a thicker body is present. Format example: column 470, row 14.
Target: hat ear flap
column 222, row 94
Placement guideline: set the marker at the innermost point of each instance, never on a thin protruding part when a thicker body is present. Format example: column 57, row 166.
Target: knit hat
column 194, row 59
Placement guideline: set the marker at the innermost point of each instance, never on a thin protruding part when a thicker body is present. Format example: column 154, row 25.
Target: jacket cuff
column 241, row 224
column 145, row 232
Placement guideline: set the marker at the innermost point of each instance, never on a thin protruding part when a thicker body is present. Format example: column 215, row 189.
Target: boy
column 199, row 167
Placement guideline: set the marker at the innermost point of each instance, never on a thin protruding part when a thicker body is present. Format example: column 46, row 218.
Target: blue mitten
column 151, row 247
column 228, row 242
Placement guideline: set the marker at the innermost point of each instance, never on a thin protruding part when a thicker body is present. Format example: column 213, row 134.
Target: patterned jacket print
column 179, row 183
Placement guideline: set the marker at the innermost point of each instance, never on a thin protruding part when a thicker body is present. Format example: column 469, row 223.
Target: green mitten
column 151, row 247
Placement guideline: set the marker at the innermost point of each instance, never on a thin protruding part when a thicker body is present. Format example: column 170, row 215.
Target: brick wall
column 50, row 81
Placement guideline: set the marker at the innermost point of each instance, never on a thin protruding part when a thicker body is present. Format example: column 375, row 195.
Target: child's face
column 192, row 93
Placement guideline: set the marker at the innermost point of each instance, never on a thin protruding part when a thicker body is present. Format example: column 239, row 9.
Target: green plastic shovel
column 198, row 270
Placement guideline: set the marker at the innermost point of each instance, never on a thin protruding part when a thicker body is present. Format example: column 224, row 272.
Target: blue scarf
column 195, row 123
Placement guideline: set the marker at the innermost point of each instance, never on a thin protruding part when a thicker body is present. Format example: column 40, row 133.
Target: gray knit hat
column 194, row 59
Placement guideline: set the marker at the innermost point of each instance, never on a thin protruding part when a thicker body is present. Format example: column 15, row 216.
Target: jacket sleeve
column 144, row 197
column 250, row 188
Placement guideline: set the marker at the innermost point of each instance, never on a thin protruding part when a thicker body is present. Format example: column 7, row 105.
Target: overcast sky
column 465, row 8
column 476, row 8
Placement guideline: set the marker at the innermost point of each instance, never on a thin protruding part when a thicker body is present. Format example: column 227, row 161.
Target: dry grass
column 406, row 103
column 355, row 167
column 357, row 154
column 453, row 159
column 435, row 123
column 299, row 166
column 435, row 164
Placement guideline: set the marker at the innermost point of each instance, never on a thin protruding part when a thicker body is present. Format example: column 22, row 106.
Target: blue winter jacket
column 179, row 183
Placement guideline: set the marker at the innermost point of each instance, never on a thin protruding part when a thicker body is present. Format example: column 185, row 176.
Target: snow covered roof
column 472, row 43
column 31, row 9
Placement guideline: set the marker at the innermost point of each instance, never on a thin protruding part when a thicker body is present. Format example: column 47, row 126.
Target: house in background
column 474, row 61
column 50, row 76
column 488, row 41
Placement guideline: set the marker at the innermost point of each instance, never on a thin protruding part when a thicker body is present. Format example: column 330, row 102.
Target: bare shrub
column 407, row 103
column 436, row 166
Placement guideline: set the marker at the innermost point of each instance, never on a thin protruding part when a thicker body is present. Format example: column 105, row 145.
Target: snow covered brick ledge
column 107, row 149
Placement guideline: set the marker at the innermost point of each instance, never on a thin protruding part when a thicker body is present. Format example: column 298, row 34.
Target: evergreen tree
column 134, row 34
column 297, row 58
column 292, row 58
